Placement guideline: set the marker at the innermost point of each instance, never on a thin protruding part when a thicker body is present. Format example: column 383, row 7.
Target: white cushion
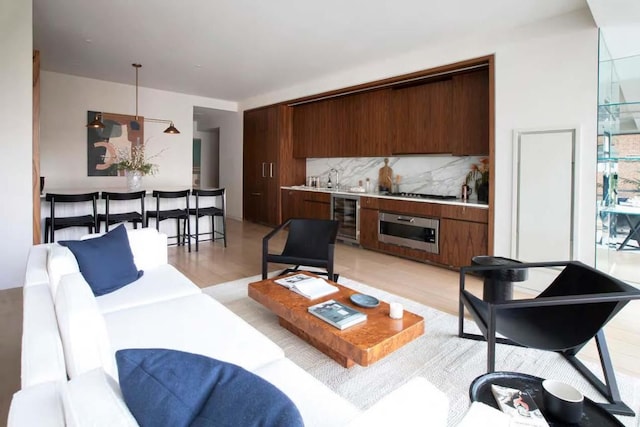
column 196, row 324
column 311, row 397
column 94, row 399
column 84, row 336
column 157, row 284
column 149, row 247
column 42, row 356
column 36, row 273
column 39, row 405
column 417, row 402
column 60, row 262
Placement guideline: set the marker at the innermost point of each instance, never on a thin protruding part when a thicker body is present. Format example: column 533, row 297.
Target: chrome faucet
column 337, row 185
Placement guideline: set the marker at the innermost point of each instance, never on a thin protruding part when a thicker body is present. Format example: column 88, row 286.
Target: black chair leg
column 491, row 341
column 609, row 389
column 189, row 233
column 224, row 230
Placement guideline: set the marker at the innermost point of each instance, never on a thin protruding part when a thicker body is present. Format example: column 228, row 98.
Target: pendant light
column 97, row 123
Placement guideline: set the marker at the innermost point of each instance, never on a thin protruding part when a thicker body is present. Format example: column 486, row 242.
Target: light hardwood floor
column 214, row 264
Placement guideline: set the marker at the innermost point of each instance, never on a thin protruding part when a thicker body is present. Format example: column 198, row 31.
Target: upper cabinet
column 470, row 112
column 444, row 115
column 421, row 118
column 343, row 126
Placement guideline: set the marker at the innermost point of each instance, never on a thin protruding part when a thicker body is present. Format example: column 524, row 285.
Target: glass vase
column 134, row 180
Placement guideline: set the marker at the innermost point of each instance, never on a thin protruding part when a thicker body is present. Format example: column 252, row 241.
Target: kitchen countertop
column 456, row 202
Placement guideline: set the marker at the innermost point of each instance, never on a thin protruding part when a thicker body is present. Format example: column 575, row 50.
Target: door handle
column 263, row 175
column 270, row 170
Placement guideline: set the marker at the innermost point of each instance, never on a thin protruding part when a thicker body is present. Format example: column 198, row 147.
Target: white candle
column 395, row 310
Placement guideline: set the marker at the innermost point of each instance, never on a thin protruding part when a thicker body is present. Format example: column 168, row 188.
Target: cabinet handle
column 256, row 194
column 263, row 175
column 400, row 218
column 270, row 170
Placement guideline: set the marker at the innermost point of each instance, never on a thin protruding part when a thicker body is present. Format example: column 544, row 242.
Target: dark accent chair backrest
column 310, row 238
column 569, row 325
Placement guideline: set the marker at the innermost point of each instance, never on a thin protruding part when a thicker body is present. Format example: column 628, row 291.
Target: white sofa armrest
column 36, row 271
column 417, row 402
column 39, row 405
column 42, row 355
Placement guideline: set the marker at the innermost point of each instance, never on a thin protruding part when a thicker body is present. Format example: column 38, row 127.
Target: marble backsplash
column 418, row 174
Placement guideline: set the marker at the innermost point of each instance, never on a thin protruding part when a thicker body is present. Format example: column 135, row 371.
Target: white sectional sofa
column 69, row 373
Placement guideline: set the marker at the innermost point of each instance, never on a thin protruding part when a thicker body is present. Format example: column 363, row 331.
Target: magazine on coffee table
column 337, row 314
column 519, row 405
column 307, row 286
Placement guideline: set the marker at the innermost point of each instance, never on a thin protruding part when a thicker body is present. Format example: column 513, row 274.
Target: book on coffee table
column 307, row 286
column 337, row 314
column 519, row 405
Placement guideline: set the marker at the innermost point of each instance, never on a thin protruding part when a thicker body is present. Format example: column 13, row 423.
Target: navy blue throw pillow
column 106, row 262
column 173, row 388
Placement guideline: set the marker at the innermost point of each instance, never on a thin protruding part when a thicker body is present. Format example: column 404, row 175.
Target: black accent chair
column 210, row 211
column 310, row 242
column 571, row 311
column 53, row 223
column 179, row 214
column 110, row 218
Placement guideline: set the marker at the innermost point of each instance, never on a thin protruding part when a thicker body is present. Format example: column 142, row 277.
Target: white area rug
column 449, row 362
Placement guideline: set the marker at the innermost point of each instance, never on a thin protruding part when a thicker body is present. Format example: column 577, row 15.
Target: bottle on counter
column 367, row 185
column 329, row 185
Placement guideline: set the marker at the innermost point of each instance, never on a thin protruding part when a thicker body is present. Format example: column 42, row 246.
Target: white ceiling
column 237, row 49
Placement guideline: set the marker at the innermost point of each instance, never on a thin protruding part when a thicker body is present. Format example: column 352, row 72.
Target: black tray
column 480, row 391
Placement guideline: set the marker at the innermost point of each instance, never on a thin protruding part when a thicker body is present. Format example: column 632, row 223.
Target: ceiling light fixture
column 96, row 123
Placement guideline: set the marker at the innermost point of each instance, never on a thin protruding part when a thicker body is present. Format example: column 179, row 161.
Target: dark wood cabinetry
column 470, row 112
column 421, row 118
column 449, row 114
column 463, row 234
column 368, row 227
column 305, row 204
column 344, row 126
column 461, row 240
column 268, row 163
column 463, row 230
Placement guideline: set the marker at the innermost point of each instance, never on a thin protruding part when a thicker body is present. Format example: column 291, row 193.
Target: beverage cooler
column 346, row 210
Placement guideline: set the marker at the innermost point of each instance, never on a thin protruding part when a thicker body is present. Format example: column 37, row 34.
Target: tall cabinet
column 268, row 162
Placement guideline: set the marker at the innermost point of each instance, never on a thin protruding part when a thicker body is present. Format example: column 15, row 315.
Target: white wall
column 230, row 161
column 16, row 228
column 209, row 157
column 65, row 102
column 546, row 76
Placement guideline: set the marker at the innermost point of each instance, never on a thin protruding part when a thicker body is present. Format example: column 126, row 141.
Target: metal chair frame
column 488, row 325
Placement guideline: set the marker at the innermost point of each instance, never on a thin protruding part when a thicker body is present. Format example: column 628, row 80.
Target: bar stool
column 211, row 211
column 133, row 217
column 53, row 223
column 177, row 214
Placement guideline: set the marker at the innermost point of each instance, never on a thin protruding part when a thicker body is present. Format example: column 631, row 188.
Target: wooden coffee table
column 364, row 343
